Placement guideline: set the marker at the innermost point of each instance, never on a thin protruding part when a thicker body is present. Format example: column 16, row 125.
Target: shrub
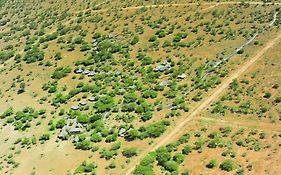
column 277, row 99
column 58, row 56
column 167, row 43
column 187, row 149
column 212, row 164
column 135, row 40
column 133, row 134
column 241, row 51
column 267, row 95
column 146, row 165
column 5, row 55
column 85, row 47
column 154, row 130
column 185, row 172
column 86, row 168
column 115, row 146
column 60, row 123
column 7, row 113
column 83, row 118
column 152, row 38
column 45, row 137
column 95, row 137
column 108, row 154
column 179, row 158
column 84, row 145
column 146, row 116
column 129, row 152
column 171, row 166
column 33, row 55
column 228, row 165
column 176, row 39
column 60, row 72
column 105, row 103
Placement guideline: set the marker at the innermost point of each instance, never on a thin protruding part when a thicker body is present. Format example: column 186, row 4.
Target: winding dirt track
column 256, row 125
column 179, row 126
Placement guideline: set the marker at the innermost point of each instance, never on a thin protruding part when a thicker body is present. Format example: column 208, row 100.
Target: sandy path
column 179, row 126
column 257, row 125
column 192, row 4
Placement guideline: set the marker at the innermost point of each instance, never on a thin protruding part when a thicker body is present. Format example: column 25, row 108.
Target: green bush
column 171, row 166
column 135, row 40
column 241, row 51
column 179, row 158
column 152, row 38
column 5, row 55
column 86, row 168
column 60, row 123
column 58, row 56
column 84, row 118
column 129, row 152
column 187, row 149
column 33, row 55
column 212, row 164
column 95, row 137
column 108, row 154
column 277, row 99
column 154, row 130
column 60, row 72
column 84, row 145
column 44, row 137
column 228, row 165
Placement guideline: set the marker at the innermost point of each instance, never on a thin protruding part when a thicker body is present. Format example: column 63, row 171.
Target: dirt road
column 257, row 125
column 179, row 126
column 192, row 4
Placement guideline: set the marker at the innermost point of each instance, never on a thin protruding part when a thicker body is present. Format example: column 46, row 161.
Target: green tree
column 228, row 165
column 179, row 158
column 83, row 118
column 129, row 152
column 171, row 166
column 212, row 164
column 135, row 40
column 187, row 149
column 60, row 123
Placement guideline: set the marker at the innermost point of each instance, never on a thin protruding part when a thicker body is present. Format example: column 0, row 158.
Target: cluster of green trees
column 26, row 141
column 22, row 119
column 51, row 87
column 5, row 55
column 104, row 103
column 153, row 130
column 33, row 55
column 170, row 157
column 130, row 152
column 49, row 37
column 111, row 152
column 236, row 92
column 146, row 165
column 86, row 168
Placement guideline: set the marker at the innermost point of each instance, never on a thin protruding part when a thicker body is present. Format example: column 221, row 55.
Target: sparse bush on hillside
column 33, row 55
column 60, row 72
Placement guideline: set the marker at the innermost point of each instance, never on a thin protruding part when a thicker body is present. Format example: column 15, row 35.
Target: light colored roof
column 83, row 103
column 92, row 98
column 75, row 107
column 182, row 76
